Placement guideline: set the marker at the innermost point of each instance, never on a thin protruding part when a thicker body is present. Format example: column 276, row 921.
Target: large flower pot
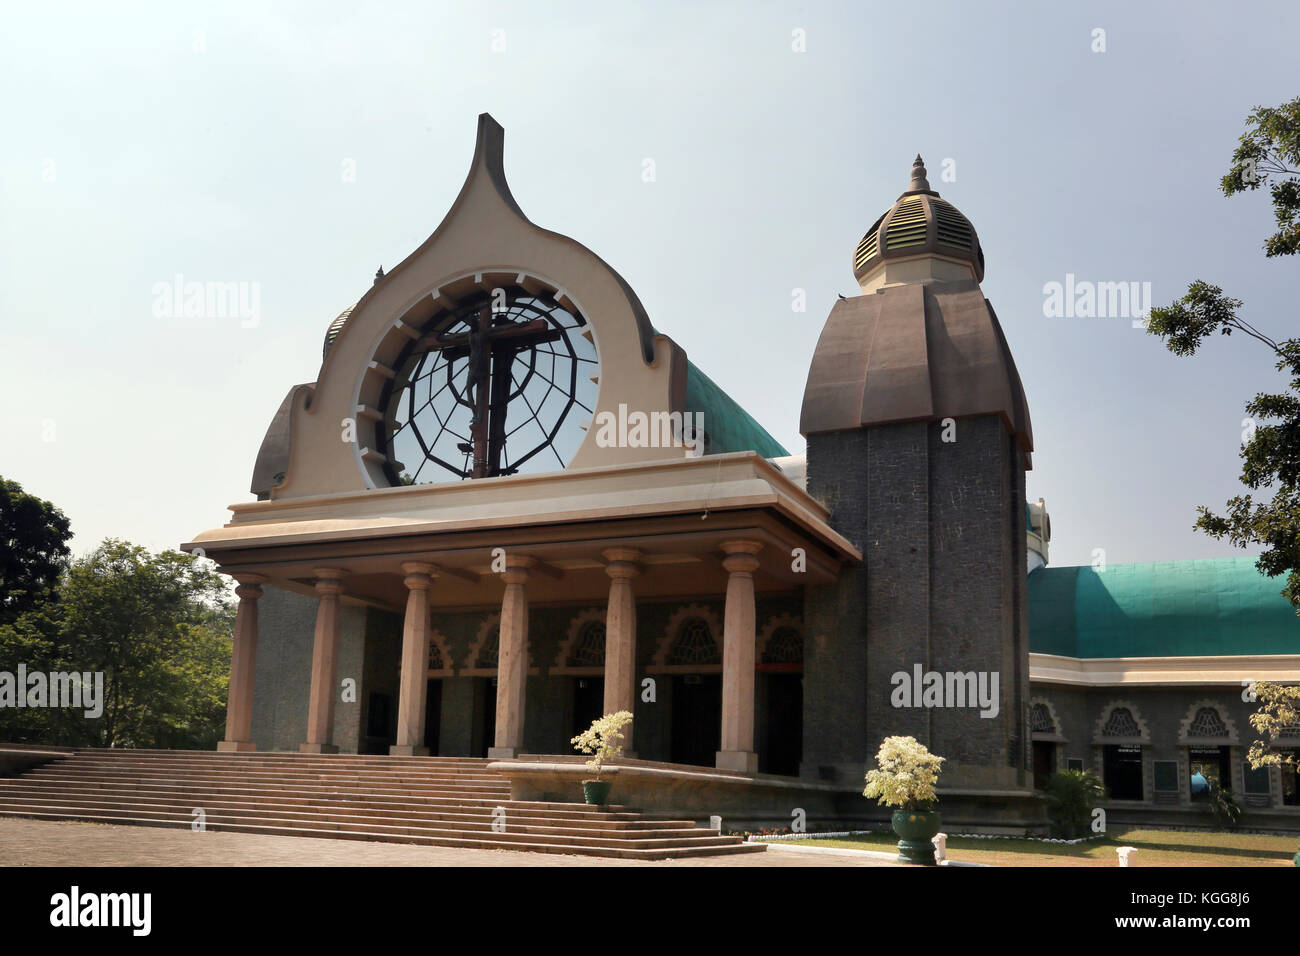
column 915, row 829
column 597, row 791
column 1296, row 859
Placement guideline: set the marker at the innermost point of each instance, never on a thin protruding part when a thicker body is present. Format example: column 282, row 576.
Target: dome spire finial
column 919, row 182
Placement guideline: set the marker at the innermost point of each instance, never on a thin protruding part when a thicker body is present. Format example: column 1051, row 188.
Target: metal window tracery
column 1040, row 719
column 695, row 644
column 488, row 653
column 785, row 646
column 1121, row 724
column 1207, row 723
column 589, row 648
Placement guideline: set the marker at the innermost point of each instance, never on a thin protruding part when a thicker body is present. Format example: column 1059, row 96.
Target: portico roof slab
column 675, row 512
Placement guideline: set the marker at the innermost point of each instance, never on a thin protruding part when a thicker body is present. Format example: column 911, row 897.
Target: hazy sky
column 142, row 141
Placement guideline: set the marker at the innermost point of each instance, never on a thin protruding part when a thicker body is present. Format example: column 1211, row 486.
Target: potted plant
column 1071, row 797
column 904, row 779
column 604, row 741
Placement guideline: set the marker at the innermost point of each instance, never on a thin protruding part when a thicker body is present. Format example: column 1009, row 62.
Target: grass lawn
column 1156, row 848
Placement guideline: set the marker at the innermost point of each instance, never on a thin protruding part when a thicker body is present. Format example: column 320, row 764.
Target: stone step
column 434, row 776
column 213, row 756
column 485, row 842
column 687, row 836
column 315, row 794
column 421, row 800
column 314, row 761
column 15, row 799
column 486, row 791
column 62, row 767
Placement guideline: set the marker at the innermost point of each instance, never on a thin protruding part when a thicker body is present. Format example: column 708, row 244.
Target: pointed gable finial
column 379, row 274
column 919, row 183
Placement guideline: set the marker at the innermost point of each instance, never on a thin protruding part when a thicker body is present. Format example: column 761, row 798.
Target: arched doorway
column 695, row 657
column 585, row 655
column 780, row 699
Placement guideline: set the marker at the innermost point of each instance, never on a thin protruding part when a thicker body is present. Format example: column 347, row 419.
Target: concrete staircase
column 434, row 801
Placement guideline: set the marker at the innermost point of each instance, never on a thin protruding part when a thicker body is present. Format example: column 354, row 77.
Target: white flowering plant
column 603, row 739
column 906, row 775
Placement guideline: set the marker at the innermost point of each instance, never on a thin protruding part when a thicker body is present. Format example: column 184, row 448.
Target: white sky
column 144, row 140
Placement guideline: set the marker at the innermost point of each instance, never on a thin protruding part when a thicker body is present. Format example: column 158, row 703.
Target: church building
column 508, row 504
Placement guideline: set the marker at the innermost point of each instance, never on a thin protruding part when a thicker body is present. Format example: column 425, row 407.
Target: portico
column 729, row 527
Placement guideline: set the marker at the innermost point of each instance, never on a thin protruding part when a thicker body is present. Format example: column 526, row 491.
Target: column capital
column 249, row 578
column 517, row 567
column 621, row 554
column 740, row 556
column 621, row 563
column 249, row 586
column 515, row 575
column 329, row 580
column 419, row 574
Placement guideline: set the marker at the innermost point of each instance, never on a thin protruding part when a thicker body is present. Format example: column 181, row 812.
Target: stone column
column 239, row 702
column 415, row 661
column 324, row 664
column 512, row 659
column 620, row 637
column 738, row 647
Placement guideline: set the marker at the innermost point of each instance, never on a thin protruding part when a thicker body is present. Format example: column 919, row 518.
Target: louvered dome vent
column 918, row 223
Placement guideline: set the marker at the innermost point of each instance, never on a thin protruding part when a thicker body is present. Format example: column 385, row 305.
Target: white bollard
column 715, row 823
column 940, row 841
column 1127, row 855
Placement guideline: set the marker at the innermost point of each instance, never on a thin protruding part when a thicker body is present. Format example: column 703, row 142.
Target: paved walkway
column 45, row 843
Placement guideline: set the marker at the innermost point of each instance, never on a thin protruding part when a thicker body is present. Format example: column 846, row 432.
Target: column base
column 503, row 753
column 745, row 761
column 318, row 748
column 235, row 746
column 406, row 750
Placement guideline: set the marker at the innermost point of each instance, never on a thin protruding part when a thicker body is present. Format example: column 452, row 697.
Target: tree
column 1278, row 716
column 33, row 549
column 1268, row 154
column 156, row 626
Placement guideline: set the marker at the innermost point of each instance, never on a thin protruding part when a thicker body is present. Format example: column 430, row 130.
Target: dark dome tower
column 918, row 441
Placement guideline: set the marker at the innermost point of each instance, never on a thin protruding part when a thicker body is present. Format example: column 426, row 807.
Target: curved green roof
column 1220, row 606
column 728, row 426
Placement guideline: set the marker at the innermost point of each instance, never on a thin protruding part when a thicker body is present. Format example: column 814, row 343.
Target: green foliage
column 1279, row 710
column 1224, row 807
column 1269, row 152
column 603, row 739
column 33, row 550
column 156, row 625
column 1071, row 797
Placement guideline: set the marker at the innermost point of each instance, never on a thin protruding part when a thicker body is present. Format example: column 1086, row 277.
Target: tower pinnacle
column 919, row 183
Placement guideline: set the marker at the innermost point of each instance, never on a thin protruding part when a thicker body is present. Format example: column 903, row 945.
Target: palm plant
column 1071, row 797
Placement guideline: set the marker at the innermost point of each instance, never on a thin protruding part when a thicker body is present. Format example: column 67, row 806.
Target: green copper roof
column 728, row 426
column 1222, row 606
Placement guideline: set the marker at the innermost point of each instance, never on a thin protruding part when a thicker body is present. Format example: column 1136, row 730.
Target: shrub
column 1071, row 796
column 1224, row 806
column 906, row 775
column 603, row 739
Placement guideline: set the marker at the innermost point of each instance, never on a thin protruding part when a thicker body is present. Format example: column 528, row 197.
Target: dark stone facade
column 1165, row 717
column 942, row 584
column 282, row 681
